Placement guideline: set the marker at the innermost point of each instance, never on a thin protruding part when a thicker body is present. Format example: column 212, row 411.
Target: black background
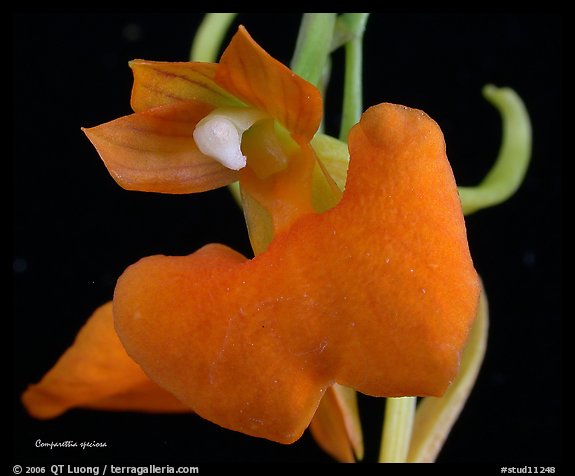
column 75, row 230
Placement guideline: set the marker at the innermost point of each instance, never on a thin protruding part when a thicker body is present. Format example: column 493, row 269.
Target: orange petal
column 249, row 73
column 96, row 372
column 336, row 426
column 154, row 151
column 228, row 393
column 377, row 294
column 159, row 83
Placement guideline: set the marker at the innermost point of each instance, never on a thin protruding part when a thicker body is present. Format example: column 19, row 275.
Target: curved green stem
column 510, row 168
column 313, row 46
column 353, row 89
column 210, row 35
column 397, row 428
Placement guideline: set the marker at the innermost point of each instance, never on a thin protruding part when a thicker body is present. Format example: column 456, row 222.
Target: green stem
column 313, row 46
column 397, row 428
column 352, row 89
column 511, row 165
column 210, row 35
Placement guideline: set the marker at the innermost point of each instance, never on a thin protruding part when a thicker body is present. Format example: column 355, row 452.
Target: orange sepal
column 158, row 83
column 154, row 151
column 377, row 294
column 95, row 372
column 249, row 73
column 336, row 426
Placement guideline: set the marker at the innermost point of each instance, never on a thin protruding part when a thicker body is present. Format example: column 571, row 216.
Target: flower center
column 219, row 134
column 280, row 178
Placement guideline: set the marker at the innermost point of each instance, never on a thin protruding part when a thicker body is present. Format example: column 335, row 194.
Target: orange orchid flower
column 372, row 288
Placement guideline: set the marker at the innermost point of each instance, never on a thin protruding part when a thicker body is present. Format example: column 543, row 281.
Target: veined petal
column 377, row 294
column 249, row 73
column 154, row 151
column 336, row 426
column 158, row 83
column 96, row 372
